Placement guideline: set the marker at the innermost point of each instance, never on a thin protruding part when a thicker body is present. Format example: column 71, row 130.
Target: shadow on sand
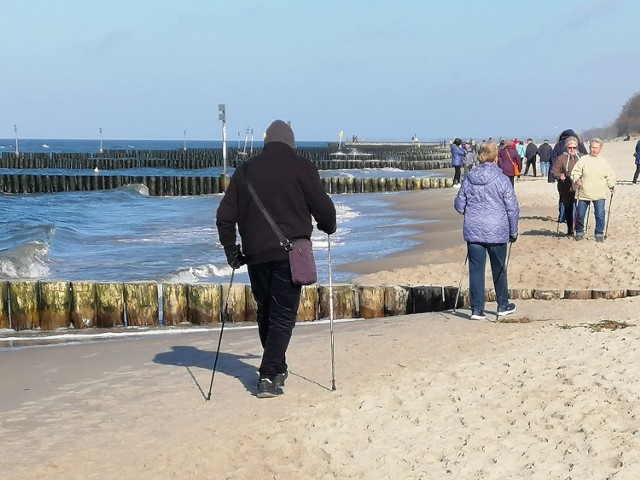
column 228, row 364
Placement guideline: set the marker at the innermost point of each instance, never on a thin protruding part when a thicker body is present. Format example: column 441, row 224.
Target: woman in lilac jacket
column 491, row 213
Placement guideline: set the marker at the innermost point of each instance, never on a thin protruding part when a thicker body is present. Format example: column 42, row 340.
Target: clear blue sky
column 384, row 70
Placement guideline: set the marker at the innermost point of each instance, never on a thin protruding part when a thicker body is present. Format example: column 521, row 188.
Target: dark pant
column 456, row 175
column 477, row 262
column 637, row 172
column 531, row 163
column 568, row 201
column 278, row 299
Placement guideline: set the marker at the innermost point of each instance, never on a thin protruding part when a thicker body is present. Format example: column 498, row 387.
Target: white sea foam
column 194, row 274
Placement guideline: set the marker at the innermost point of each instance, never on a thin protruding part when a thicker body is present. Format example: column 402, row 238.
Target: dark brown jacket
column 291, row 190
column 563, row 165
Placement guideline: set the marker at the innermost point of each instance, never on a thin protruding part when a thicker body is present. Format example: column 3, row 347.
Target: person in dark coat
column 559, row 148
column 637, row 155
column 507, row 157
column 531, row 152
column 544, row 152
column 491, row 214
column 291, row 190
column 561, row 171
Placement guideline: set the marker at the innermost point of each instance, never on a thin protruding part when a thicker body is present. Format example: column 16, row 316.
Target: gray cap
column 280, row 131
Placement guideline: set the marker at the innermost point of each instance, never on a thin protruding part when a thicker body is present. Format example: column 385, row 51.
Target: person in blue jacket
column 491, row 214
column 457, row 160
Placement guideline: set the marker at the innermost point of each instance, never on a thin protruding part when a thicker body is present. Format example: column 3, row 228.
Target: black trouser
column 278, row 299
column 456, row 175
column 568, row 201
column 635, row 175
column 531, row 163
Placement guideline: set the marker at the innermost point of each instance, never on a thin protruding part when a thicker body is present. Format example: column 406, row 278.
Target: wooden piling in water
column 4, row 310
column 308, row 310
column 371, row 301
column 236, row 303
column 174, row 303
column 344, row 301
column 83, row 305
column 55, row 305
column 23, row 303
column 109, row 305
column 141, row 303
column 203, row 303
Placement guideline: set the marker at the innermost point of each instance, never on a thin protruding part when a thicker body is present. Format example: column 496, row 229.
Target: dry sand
column 427, row 396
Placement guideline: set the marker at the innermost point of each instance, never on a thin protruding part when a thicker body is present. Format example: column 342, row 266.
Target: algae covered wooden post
column 308, row 310
column 110, row 304
column 236, row 308
column 83, row 305
column 23, row 302
column 203, row 303
column 174, row 303
column 141, row 303
column 397, row 300
column 55, row 305
column 344, row 301
column 371, row 301
column 4, row 310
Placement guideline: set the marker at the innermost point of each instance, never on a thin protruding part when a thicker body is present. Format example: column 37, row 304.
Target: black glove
column 235, row 258
column 513, row 237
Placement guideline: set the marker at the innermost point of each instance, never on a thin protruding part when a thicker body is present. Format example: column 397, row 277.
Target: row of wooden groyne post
column 18, row 182
column 52, row 305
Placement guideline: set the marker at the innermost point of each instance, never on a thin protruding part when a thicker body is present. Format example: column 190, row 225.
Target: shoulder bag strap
column 284, row 242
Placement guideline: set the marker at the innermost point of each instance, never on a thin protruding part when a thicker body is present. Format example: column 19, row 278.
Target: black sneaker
column 506, row 310
column 599, row 238
column 478, row 315
column 268, row 388
column 280, row 378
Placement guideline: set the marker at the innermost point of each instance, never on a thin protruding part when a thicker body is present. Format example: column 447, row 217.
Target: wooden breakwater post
column 397, row 300
column 203, row 303
column 174, row 304
column 110, row 305
column 345, row 302
column 4, row 310
column 23, row 305
column 371, row 301
column 84, row 312
column 309, row 308
column 55, row 305
column 141, row 304
column 236, row 302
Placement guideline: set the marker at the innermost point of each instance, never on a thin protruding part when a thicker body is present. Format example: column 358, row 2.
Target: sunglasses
column 571, row 148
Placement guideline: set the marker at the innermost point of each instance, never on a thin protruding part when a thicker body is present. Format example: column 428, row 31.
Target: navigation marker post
column 340, row 135
column 223, row 119
column 100, row 131
column 15, row 130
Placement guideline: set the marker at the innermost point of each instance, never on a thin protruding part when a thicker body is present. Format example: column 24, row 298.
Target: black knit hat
column 280, row 131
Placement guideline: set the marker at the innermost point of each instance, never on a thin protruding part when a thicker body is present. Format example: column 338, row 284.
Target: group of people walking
column 488, row 202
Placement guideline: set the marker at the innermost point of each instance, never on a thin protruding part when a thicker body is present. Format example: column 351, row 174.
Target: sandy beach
column 551, row 394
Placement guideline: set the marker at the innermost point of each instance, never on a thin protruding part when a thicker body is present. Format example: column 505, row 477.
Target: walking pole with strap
column 333, row 355
column 606, row 230
column 224, row 320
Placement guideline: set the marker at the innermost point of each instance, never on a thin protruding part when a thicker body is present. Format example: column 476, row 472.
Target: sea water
column 125, row 235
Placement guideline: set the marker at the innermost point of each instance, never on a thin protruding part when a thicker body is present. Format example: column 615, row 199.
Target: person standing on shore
column 491, row 214
column 595, row 180
column 531, row 152
column 637, row 155
column 509, row 161
column 290, row 189
column 559, row 148
column 544, row 152
column 457, row 160
column 561, row 171
column 470, row 159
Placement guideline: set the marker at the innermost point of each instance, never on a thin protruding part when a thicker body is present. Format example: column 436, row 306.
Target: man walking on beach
column 531, row 152
column 290, row 189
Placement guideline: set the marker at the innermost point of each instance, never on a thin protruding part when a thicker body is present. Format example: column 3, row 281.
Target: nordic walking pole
column 506, row 267
column 455, row 303
column 606, row 230
column 224, row 319
column 333, row 354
